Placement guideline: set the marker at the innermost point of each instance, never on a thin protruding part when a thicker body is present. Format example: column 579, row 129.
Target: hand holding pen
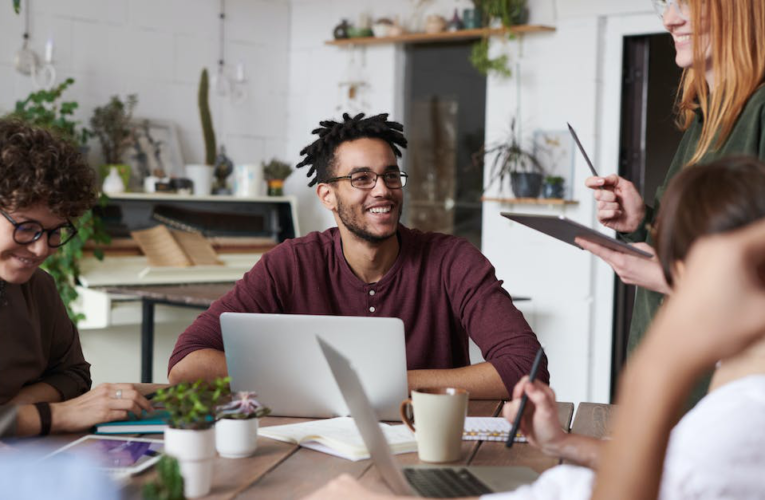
column 524, row 398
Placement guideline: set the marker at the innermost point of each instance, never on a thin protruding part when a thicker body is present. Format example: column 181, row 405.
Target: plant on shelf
column 111, row 125
column 509, row 13
column 169, row 483
column 236, row 432
column 510, row 159
column 554, row 187
column 206, row 117
column 190, row 436
column 43, row 109
column 275, row 172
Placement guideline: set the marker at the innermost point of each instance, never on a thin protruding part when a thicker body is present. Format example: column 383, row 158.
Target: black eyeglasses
column 30, row 231
column 368, row 180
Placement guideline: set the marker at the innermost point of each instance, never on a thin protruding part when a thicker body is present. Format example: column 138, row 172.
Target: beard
column 353, row 222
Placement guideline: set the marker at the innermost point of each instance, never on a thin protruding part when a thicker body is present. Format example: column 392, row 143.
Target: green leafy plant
column 193, row 406
column 169, row 482
column 510, row 13
column 17, row 6
column 553, row 180
column 44, row 109
column 64, row 265
column 243, row 406
column 111, row 125
column 276, row 170
column 507, row 157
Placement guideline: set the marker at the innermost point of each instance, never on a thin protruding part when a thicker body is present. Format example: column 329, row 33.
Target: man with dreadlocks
column 441, row 286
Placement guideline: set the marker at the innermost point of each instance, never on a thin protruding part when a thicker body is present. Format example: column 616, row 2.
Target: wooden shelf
column 531, row 201
column 444, row 36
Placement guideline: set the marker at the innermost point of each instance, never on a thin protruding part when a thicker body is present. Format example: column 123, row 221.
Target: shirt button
column 371, row 309
column 371, row 292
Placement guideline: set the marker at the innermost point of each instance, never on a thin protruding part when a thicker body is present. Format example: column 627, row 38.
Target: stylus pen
column 519, row 415
column 581, row 149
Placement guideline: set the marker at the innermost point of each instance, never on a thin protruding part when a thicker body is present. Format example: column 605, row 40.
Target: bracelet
column 43, row 409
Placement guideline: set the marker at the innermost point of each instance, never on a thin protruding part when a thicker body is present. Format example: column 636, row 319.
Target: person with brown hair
column 720, row 44
column 44, row 185
column 717, row 268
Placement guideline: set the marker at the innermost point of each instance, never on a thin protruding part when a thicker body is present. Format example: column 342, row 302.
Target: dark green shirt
column 746, row 138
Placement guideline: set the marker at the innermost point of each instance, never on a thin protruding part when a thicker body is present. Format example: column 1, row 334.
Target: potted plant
column 554, row 187
column 509, row 13
column 190, row 436
column 275, row 172
column 236, row 431
column 111, row 125
column 169, row 483
column 510, row 159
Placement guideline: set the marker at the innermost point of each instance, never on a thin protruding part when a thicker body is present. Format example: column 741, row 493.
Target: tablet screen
column 117, row 454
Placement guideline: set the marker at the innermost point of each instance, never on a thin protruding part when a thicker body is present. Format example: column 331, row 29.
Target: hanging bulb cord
column 221, row 60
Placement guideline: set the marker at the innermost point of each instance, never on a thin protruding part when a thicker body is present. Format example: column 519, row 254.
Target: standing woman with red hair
column 720, row 44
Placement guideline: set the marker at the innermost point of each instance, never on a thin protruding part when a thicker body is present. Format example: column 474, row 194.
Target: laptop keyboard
column 445, row 483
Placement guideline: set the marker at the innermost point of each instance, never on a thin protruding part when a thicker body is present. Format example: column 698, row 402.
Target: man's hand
column 633, row 270
column 620, row 206
column 205, row 364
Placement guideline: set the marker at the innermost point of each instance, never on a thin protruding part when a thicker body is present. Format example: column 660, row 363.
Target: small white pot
column 195, row 451
column 236, row 438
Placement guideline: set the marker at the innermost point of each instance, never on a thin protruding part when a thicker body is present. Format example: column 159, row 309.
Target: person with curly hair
column 44, row 185
column 442, row 288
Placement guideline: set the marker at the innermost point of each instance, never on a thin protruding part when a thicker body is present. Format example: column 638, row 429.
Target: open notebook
column 339, row 437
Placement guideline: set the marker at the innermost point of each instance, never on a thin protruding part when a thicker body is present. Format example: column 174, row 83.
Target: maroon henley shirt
column 440, row 286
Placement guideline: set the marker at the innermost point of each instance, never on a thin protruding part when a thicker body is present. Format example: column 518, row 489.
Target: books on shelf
column 149, row 423
column 339, row 437
column 488, row 429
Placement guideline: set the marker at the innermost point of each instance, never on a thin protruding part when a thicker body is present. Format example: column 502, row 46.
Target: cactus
column 204, row 114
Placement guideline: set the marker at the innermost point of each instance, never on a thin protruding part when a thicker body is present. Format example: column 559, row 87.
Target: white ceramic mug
column 202, row 177
column 248, row 180
column 439, row 420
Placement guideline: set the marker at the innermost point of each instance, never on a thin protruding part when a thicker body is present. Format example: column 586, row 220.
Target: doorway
column 648, row 141
column 445, row 112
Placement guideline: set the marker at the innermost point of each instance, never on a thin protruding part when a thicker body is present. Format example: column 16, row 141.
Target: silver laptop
column 276, row 355
column 425, row 480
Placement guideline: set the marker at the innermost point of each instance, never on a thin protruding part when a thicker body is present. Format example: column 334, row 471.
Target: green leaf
column 17, row 6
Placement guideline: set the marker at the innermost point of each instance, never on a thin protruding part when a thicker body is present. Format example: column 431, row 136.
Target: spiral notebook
column 488, row 429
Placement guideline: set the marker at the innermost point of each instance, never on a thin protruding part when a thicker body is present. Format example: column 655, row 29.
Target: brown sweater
column 441, row 286
column 38, row 341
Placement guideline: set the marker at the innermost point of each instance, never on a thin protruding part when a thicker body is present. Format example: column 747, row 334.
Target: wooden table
column 197, row 296
column 285, row 471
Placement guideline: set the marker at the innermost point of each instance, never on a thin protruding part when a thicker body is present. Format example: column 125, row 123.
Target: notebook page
column 488, row 429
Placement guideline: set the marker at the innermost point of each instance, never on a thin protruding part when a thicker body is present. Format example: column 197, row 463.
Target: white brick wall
column 157, row 49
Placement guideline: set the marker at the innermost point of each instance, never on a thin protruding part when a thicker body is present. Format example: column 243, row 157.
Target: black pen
column 519, row 415
column 581, row 149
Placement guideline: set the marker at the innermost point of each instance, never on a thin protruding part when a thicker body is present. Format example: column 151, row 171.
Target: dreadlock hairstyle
column 320, row 154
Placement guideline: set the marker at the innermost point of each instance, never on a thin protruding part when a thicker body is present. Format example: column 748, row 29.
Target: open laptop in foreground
column 424, row 480
column 276, row 355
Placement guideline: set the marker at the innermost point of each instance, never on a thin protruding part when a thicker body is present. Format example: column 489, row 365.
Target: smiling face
column 369, row 214
column 19, row 262
column 677, row 20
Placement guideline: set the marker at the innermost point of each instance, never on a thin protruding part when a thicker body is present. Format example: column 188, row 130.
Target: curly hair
column 320, row 154
column 36, row 167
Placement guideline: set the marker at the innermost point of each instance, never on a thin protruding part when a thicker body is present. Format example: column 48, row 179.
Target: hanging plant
column 510, row 13
column 17, row 6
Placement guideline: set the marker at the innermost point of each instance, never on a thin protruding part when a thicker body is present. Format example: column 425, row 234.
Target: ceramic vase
column 195, row 451
column 276, row 187
column 526, row 184
column 113, row 183
column 236, row 438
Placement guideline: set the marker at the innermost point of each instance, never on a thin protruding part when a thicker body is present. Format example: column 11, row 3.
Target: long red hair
column 736, row 31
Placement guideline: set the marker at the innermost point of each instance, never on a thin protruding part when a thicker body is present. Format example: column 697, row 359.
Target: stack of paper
column 339, row 437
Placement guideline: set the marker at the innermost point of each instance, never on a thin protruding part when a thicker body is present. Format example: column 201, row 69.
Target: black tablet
column 566, row 230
